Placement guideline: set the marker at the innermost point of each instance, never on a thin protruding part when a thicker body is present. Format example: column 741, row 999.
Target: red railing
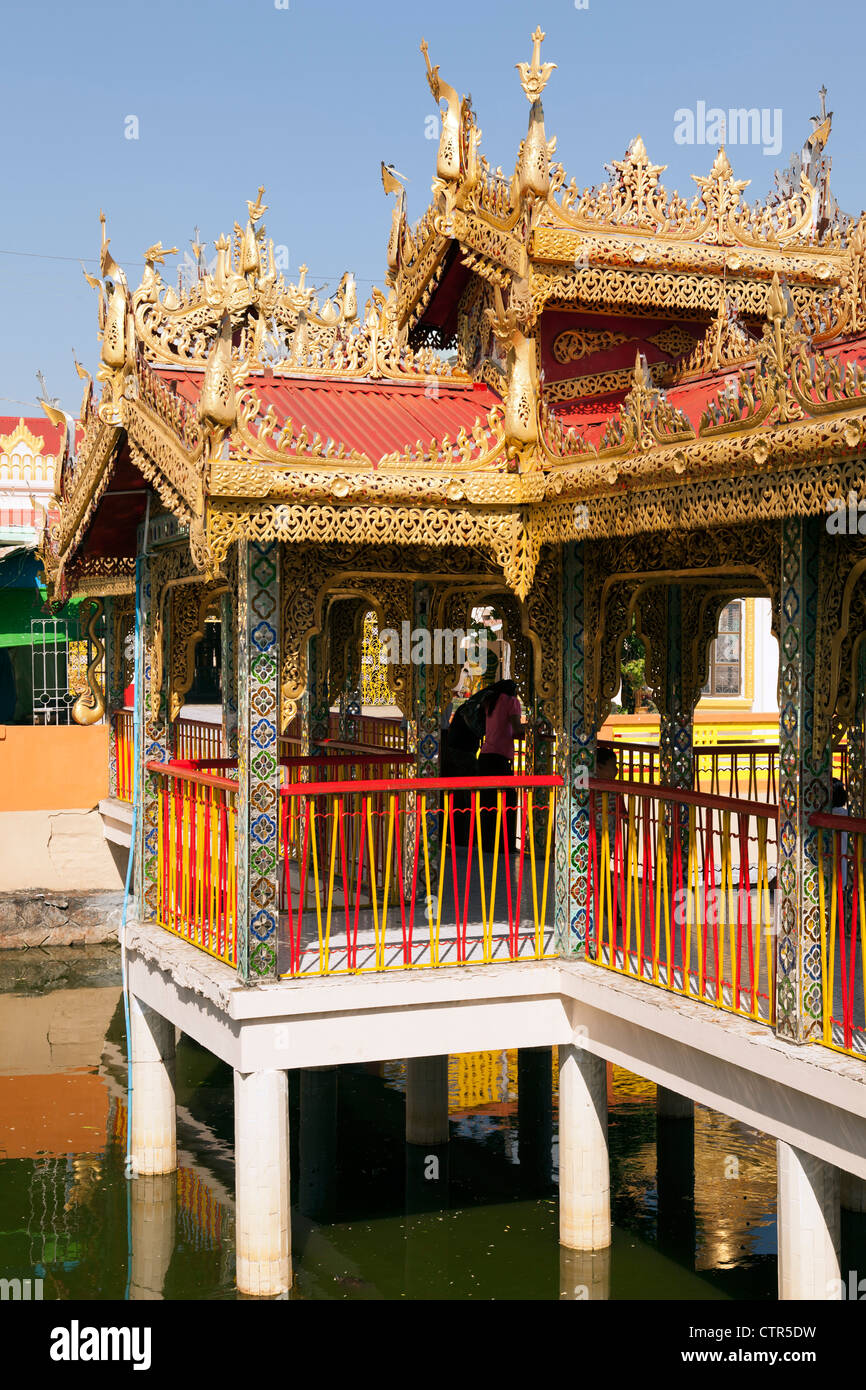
column 374, row 731
column 386, row 874
column 842, row 908
column 198, row 739
column 747, row 770
column 427, row 872
column 196, row 858
column 122, row 734
column 682, row 892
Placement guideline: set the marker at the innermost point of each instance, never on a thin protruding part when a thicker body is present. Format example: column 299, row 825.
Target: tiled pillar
column 263, row 1219
column 154, row 745
column 153, row 1145
column 804, row 787
column 576, row 763
column 258, row 770
column 808, row 1226
column 584, row 1166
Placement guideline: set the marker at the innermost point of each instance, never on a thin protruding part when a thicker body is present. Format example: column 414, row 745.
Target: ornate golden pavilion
column 594, row 406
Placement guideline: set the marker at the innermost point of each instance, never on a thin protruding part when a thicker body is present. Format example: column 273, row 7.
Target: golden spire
column 534, row 75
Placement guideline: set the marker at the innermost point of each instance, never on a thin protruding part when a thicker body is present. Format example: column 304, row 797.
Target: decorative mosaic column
column 151, row 717
column 676, row 752
column 804, row 787
column 258, row 670
column 229, row 674
column 576, row 762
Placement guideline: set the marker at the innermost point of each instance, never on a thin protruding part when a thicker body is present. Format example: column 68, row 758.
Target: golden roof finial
column 534, row 75
column 257, row 209
column 777, row 309
column 432, row 72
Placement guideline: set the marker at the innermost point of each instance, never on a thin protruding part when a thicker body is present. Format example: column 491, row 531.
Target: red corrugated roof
column 374, row 417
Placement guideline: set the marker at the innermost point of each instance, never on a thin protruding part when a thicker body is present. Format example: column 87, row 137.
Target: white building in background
column 29, row 450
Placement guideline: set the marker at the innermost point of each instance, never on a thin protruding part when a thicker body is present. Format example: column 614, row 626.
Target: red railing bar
column 415, row 784
column 658, row 791
column 824, row 820
column 185, row 774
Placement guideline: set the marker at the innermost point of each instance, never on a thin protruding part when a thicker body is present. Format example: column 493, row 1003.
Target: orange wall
column 52, row 767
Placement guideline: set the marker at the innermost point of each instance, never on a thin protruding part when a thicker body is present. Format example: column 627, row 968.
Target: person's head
column 840, row 794
column 605, row 763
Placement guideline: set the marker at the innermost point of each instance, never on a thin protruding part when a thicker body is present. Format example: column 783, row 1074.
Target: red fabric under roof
column 589, row 418
column 374, row 417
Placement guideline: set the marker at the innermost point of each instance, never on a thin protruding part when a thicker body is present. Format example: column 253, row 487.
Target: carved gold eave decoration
column 536, row 226
column 793, row 404
column 636, row 202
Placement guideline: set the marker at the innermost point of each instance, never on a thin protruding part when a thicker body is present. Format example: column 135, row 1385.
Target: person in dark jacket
column 459, row 759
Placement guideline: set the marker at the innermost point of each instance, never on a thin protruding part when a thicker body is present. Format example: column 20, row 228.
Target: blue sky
column 308, row 99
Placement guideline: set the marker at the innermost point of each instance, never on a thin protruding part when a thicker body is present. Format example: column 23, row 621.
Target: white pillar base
column 427, row 1100
column 151, row 1059
column 584, row 1167
column 262, row 1220
column 808, row 1226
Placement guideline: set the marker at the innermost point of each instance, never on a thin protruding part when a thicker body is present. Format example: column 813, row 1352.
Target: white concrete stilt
column 808, row 1225
column 584, row 1168
column 853, row 1192
column 151, row 1055
column 262, row 1221
column 672, row 1106
column 153, row 1202
column 427, row 1100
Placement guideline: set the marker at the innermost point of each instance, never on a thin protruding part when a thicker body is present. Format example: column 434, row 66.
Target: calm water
column 366, row 1223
